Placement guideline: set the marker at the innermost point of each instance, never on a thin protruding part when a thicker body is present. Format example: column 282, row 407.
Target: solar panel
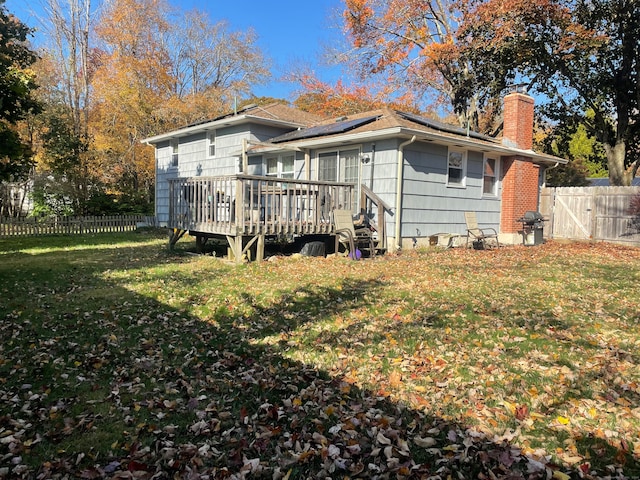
column 444, row 127
column 321, row 130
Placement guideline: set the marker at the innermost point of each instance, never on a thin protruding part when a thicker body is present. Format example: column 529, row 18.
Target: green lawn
column 120, row 359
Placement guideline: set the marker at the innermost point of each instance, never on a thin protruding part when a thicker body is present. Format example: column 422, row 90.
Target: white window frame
column 282, row 170
column 285, row 171
column 495, row 176
column 341, row 163
column 211, row 144
column 174, row 147
column 463, row 167
column 268, row 160
column 327, row 154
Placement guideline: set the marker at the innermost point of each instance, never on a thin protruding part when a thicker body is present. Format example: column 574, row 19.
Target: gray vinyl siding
column 383, row 166
column 263, row 133
column 431, row 206
column 299, row 168
column 192, row 162
column 193, row 159
column 163, row 172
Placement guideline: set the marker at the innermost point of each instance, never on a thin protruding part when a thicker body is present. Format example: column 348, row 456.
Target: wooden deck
column 245, row 209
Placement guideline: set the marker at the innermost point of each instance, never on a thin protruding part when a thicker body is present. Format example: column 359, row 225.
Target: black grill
column 531, row 218
column 532, row 228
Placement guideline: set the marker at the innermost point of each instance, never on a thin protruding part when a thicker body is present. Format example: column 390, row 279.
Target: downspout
column 399, row 190
column 245, row 158
column 373, row 162
column 371, row 172
column 553, row 199
column 544, row 175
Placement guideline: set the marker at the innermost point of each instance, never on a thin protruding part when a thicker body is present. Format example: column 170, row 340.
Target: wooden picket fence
column 32, row 226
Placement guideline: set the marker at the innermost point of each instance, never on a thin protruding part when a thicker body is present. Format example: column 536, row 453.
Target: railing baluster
column 245, row 204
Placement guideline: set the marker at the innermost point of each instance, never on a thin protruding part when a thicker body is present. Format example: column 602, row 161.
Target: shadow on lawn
column 132, row 388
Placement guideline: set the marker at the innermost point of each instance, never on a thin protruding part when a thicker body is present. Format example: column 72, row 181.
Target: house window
column 281, row 166
column 457, row 165
column 340, row 166
column 350, row 162
column 174, row 153
column 328, row 166
column 490, row 176
column 272, row 167
column 286, row 164
column 211, row 142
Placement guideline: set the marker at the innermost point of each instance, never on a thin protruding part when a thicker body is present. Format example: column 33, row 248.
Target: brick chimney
column 518, row 121
column 520, row 177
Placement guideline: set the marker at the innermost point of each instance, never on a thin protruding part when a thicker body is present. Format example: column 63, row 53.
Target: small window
column 272, row 167
column 457, row 164
column 328, row 167
column 174, row 153
column 340, row 166
column 211, row 141
column 490, row 176
column 281, row 167
column 350, row 162
column 287, row 166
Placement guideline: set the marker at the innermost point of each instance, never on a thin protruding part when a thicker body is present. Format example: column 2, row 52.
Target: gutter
column 219, row 123
column 462, row 142
column 399, row 175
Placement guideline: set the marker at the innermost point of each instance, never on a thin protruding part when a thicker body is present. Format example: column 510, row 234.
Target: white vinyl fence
column 589, row 213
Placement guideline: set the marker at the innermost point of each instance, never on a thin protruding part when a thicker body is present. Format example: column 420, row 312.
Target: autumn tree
column 161, row 69
column 413, row 45
column 584, row 56
column 213, row 65
column 334, row 100
column 17, row 84
column 337, row 99
column 130, row 85
column 65, row 71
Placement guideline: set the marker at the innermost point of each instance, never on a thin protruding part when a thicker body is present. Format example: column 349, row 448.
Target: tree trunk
column 618, row 174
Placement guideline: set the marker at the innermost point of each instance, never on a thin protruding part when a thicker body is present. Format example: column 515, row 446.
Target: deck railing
column 251, row 205
column 377, row 209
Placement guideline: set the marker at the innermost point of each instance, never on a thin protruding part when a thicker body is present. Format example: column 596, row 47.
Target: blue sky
column 289, row 31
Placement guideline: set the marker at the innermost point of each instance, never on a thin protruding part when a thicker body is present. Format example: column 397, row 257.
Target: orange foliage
column 130, row 84
column 412, row 43
column 339, row 99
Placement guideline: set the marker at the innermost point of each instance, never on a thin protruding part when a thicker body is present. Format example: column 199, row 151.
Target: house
column 273, row 171
column 604, row 182
column 16, row 199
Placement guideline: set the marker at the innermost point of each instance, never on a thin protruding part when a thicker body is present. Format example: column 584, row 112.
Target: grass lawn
column 120, row 359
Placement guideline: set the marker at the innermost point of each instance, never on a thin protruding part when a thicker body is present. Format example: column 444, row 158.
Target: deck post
column 260, row 248
column 249, row 210
column 239, row 209
column 238, row 250
column 235, row 245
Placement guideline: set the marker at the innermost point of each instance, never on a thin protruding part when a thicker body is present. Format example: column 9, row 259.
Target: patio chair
column 352, row 238
column 479, row 236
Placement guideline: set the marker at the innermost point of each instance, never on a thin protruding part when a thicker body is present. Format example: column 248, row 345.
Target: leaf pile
column 120, row 361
